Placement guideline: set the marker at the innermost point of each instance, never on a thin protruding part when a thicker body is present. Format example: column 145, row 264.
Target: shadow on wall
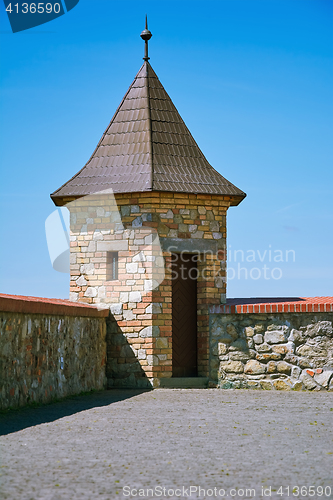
column 21, row 418
column 123, row 369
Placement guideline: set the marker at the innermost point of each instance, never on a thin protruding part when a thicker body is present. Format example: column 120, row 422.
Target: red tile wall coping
column 274, row 305
column 40, row 305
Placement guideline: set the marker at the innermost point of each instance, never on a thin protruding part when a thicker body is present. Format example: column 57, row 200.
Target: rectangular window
column 111, row 266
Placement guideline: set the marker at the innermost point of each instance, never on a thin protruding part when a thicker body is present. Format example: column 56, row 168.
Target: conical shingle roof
column 147, row 147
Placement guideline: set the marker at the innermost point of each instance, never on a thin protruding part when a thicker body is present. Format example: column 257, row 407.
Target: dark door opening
column 184, row 316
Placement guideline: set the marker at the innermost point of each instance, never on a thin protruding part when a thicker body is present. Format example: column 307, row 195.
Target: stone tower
column 148, row 237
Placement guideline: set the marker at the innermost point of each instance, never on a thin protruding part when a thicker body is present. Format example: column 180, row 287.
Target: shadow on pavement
column 21, row 418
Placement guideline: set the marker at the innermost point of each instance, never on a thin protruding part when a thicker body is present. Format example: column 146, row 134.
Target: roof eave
column 236, row 200
column 60, row 201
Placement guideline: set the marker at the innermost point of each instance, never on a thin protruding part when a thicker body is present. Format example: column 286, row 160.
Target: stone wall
column 49, row 349
column 127, row 223
column 52, row 348
column 290, row 351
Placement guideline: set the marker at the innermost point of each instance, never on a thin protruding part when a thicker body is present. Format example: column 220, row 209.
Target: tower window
column 111, row 266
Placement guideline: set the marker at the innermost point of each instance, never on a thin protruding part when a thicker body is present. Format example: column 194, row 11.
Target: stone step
column 184, row 383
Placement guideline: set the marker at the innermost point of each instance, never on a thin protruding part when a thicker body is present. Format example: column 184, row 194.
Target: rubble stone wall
column 51, row 354
column 290, row 351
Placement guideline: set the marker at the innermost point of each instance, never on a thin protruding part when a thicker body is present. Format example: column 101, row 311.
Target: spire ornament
column 146, row 35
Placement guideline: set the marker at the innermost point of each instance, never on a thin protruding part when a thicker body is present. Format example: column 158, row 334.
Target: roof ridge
column 150, row 129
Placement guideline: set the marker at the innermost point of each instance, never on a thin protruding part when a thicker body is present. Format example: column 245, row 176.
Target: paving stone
column 93, row 446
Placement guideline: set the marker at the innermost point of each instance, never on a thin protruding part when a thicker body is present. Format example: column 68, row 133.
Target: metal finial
column 146, row 35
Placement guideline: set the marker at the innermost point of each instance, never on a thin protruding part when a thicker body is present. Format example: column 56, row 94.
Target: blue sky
column 253, row 81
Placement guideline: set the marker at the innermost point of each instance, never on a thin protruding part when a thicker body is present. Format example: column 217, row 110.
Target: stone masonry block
column 116, row 309
column 146, row 332
column 162, row 343
column 142, row 354
column 125, row 210
column 258, row 339
column 249, row 331
column 98, row 236
column 87, row 269
column 154, row 308
column 139, row 257
column 132, row 268
column 253, row 367
column 283, row 367
column 73, row 296
column 135, row 297
column 232, row 366
column 123, row 297
column 137, row 222
column 81, row 281
column 222, row 348
column 275, row 337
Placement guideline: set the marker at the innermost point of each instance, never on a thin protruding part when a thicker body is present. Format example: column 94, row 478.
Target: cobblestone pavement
column 90, row 447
